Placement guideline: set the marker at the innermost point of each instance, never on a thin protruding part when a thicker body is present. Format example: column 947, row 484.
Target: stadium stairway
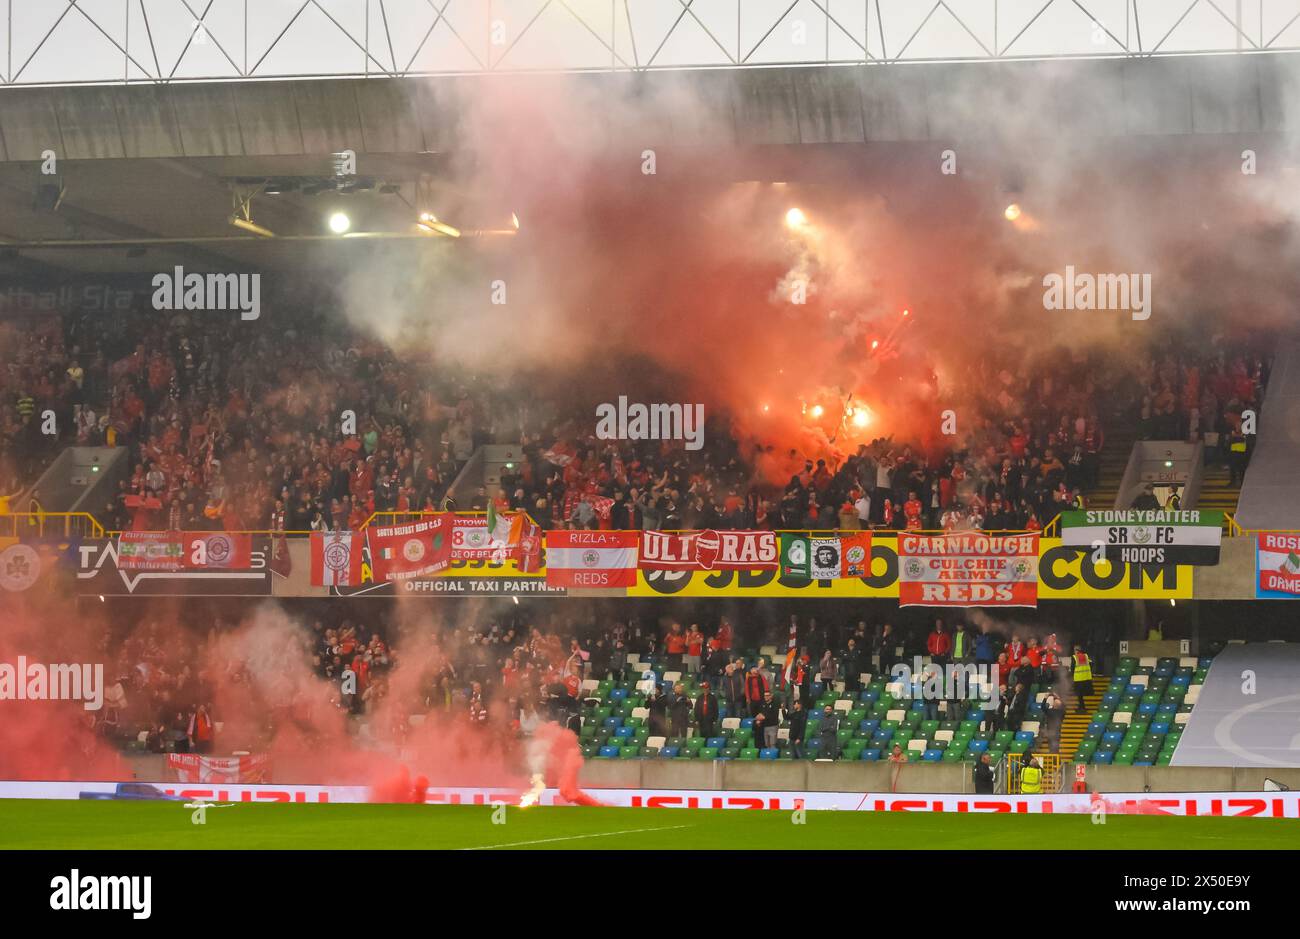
column 1112, row 462
column 1216, row 494
column 1075, row 724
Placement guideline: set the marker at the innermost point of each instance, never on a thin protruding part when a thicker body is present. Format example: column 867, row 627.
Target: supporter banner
column 194, row 768
column 337, row 558
column 1277, row 566
column 1144, row 536
column 508, row 578
column 825, row 558
column 99, row 572
column 1064, row 573
column 150, row 551
column 204, row 549
column 967, row 569
column 1215, row 804
column 179, row 550
column 591, row 559
column 415, row 549
column 23, row 563
column 708, row 550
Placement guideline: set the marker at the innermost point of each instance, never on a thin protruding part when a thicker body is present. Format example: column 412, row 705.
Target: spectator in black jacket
column 798, row 719
column 706, row 711
column 733, row 690
column 983, row 776
column 853, row 663
column 767, row 721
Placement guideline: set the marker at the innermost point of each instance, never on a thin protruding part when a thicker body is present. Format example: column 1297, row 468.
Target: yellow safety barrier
column 1052, row 765
column 50, row 525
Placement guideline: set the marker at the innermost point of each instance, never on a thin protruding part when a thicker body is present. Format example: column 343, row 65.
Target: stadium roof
column 60, row 42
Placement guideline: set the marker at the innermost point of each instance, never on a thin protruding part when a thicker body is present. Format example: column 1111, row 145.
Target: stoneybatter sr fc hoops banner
column 1147, row 536
column 967, row 569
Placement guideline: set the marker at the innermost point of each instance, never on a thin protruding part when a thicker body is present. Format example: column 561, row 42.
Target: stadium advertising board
column 1064, row 573
column 1147, row 536
column 101, row 573
column 967, row 569
column 1218, row 804
column 1277, row 565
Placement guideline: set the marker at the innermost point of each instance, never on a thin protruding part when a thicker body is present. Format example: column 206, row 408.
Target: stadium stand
column 1143, row 712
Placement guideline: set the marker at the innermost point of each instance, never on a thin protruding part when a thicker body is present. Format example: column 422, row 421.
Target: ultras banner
column 708, row 550
column 967, row 569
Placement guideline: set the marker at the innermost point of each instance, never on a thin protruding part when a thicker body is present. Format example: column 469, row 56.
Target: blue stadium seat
column 977, row 746
column 1147, row 710
column 1103, row 757
column 609, row 751
column 668, row 753
column 1026, row 735
column 933, row 756
column 1113, row 736
column 869, row 726
column 618, row 694
column 717, row 743
column 768, row 753
column 1159, row 728
column 870, row 754
column 747, row 722
column 625, row 732
column 1097, row 727
column 613, row 723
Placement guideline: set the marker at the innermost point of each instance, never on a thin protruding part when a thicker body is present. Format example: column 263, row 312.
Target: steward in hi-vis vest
column 1082, row 678
column 1031, row 779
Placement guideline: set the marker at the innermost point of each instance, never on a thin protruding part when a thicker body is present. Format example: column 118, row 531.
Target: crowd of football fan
column 238, row 426
column 164, row 685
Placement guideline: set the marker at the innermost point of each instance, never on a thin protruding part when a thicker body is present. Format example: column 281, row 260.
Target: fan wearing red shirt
column 912, row 510
column 938, row 643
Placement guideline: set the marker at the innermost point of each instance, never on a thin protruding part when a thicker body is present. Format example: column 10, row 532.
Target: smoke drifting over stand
column 696, row 268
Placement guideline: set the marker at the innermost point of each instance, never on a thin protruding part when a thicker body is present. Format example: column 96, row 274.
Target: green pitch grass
column 39, row 823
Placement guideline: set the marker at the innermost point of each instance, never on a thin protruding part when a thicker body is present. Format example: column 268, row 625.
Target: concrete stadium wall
column 1209, row 95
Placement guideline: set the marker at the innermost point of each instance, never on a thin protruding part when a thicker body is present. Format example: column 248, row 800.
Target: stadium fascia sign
column 1277, row 565
column 1216, row 804
column 1064, row 573
column 100, row 573
column 1182, row 536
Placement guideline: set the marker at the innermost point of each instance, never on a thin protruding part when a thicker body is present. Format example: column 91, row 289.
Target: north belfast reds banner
column 1147, row 536
column 967, row 569
column 591, row 559
column 1277, row 566
column 708, row 551
column 416, row 549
